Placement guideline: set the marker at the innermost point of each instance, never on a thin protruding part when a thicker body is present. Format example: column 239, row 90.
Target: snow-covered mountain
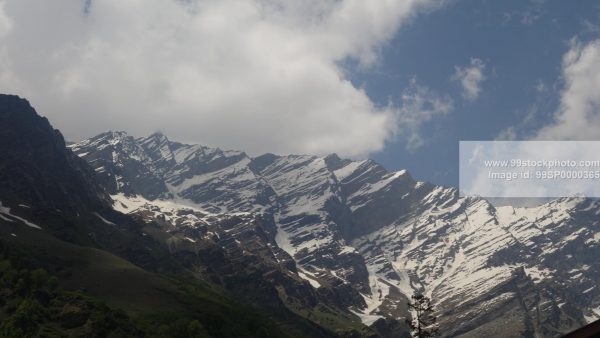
column 373, row 236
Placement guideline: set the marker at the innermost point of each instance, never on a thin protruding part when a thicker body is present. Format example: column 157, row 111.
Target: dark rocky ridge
column 37, row 169
column 42, row 181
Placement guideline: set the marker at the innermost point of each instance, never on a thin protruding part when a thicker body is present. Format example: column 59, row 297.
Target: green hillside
column 36, row 271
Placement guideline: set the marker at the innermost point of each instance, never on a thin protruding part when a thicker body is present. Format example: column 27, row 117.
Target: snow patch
column 104, row 219
column 366, row 319
column 307, row 276
column 348, row 170
column 6, row 211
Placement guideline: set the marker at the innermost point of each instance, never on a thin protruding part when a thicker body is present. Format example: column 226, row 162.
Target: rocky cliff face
column 46, row 186
column 237, row 251
column 376, row 236
column 37, row 169
column 484, row 266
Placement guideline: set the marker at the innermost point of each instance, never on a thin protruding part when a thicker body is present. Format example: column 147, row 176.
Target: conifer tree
column 423, row 322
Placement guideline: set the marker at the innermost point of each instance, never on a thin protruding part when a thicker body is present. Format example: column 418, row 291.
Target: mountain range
column 310, row 245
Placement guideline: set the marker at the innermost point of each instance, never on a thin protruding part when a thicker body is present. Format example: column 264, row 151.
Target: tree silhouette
column 422, row 325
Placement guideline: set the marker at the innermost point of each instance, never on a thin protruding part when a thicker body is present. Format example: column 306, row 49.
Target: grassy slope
column 100, row 273
column 153, row 299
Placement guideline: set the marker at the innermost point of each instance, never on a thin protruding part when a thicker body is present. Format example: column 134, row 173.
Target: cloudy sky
column 401, row 81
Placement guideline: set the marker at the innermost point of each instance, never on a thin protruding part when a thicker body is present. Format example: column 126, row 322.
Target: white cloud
column 258, row 75
column 540, row 86
column 5, row 22
column 470, row 78
column 523, row 127
column 530, row 14
column 578, row 117
column 420, row 105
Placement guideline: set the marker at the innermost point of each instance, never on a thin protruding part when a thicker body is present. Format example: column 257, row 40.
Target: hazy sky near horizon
column 399, row 81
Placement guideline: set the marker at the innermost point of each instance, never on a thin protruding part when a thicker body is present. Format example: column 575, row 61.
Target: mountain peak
column 9, row 99
column 37, row 167
column 19, row 110
column 157, row 135
column 110, row 134
column 333, row 162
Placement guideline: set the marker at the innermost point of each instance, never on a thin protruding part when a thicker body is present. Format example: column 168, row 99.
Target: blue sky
column 522, row 44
